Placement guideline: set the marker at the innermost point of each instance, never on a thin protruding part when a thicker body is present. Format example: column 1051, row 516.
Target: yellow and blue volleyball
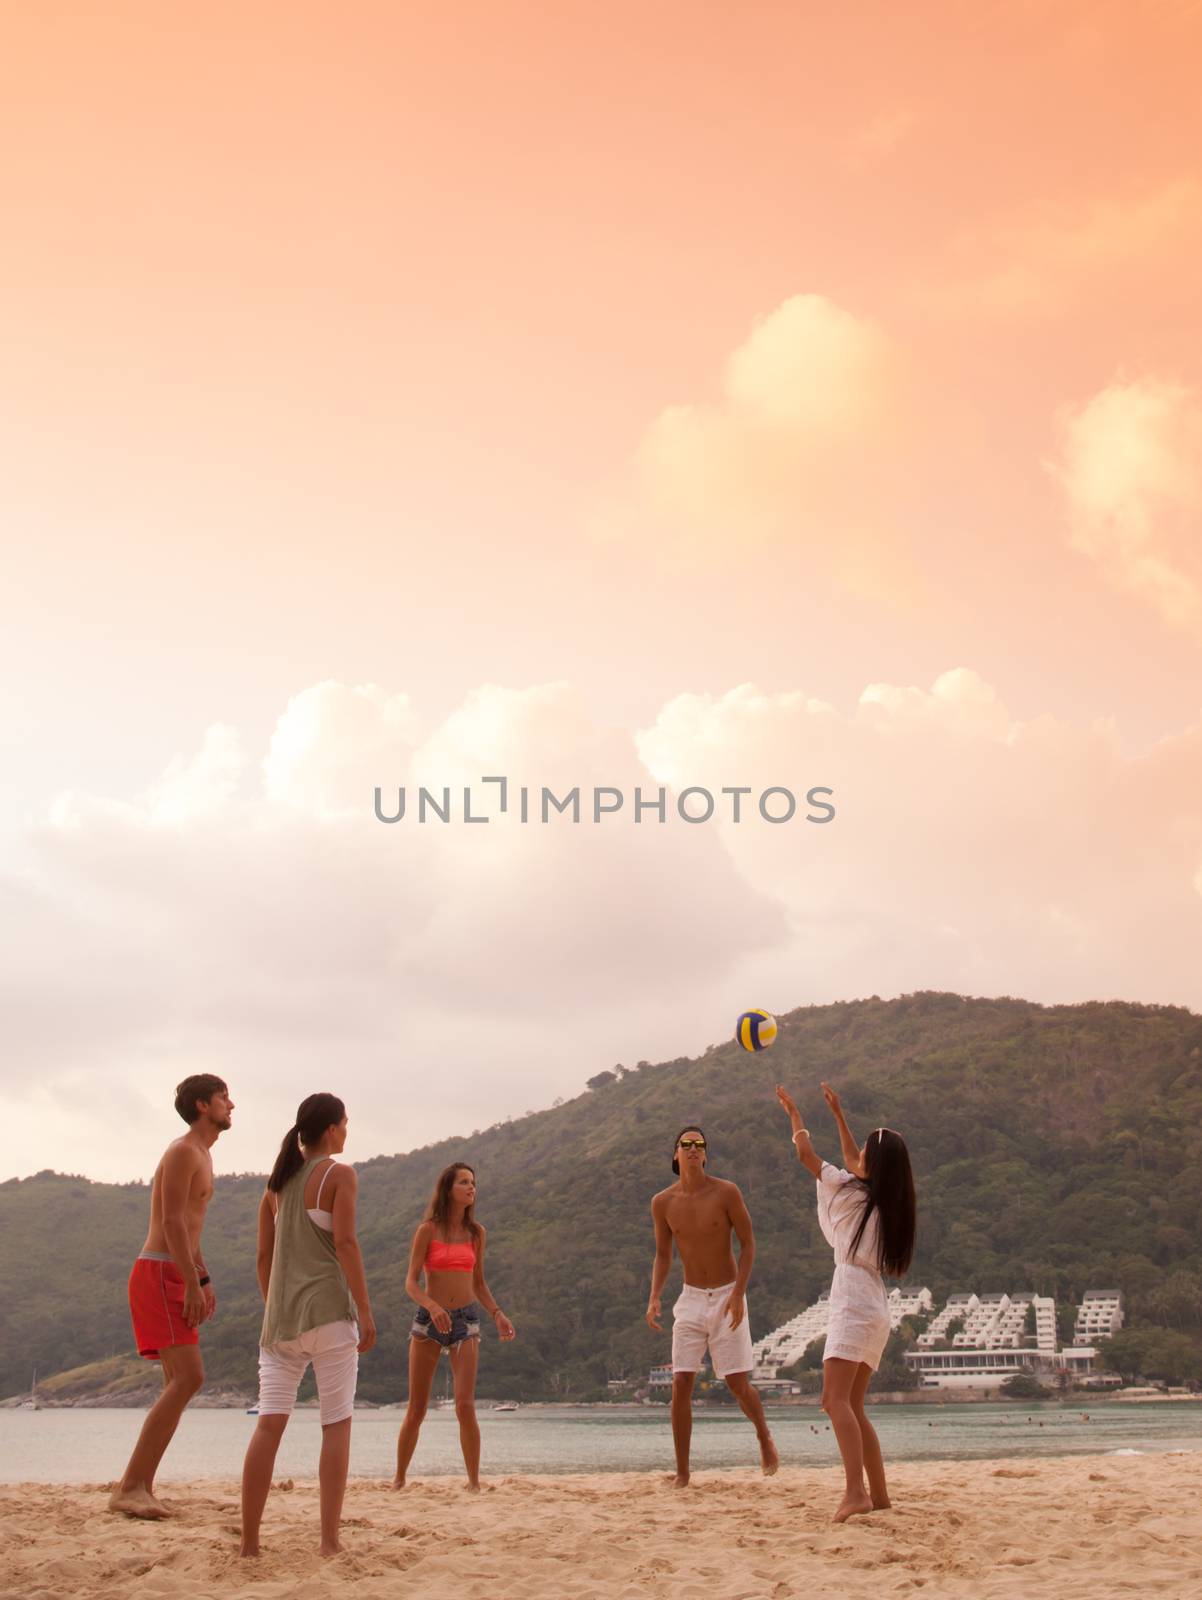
column 756, row 1030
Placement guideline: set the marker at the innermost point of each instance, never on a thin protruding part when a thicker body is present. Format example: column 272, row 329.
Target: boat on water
column 507, row 1405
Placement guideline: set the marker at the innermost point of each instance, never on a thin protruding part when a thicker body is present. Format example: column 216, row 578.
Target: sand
column 1081, row 1526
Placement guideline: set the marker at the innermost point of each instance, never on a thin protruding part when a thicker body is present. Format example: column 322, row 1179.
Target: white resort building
column 959, row 1306
column 1099, row 1315
column 996, row 1335
column 1001, row 1334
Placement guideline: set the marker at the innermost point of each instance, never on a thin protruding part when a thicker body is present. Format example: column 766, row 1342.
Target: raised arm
column 180, row 1166
column 662, row 1264
column 350, row 1257
column 851, row 1150
column 483, row 1294
column 801, row 1134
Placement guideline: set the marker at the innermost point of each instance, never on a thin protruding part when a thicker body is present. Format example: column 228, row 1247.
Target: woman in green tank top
column 315, row 1309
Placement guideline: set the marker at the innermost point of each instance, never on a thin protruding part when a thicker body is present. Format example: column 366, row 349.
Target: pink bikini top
column 450, row 1257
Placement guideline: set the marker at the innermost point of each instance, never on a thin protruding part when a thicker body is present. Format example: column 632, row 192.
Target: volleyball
column 755, row 1030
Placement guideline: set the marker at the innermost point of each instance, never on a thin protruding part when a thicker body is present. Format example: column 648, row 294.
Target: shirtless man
column 698, row 1214
column 170, row 1293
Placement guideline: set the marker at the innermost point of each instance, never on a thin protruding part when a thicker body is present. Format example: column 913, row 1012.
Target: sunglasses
column 692, row 1144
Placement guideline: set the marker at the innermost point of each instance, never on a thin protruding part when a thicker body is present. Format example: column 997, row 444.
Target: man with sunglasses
column 698, row 1215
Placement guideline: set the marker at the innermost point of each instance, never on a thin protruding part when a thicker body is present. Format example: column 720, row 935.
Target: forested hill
column 1055, row 1148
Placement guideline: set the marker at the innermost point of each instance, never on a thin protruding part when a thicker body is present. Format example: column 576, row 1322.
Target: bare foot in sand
column 851, row 1505
column 473, row 1487
column 883, row 1504
column 137, row 1503
column 769, row 1460
column 678, row 1480
column 250, row 1551
column 397, row 1483
column 334, row 1549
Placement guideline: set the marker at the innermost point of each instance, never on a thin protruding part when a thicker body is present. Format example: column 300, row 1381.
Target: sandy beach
column 1069, row 1527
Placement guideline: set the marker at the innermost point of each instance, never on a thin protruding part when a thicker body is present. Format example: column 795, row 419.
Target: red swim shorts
column 156, row 1307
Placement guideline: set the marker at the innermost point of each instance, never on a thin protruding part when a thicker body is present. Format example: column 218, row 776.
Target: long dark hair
column 439, row 1210
column 889, row 1190
column 315, row 1115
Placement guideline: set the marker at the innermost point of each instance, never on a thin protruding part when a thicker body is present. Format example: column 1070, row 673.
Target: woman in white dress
column 867, row 1215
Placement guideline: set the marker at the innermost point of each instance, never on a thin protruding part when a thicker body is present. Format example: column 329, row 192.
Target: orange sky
column 418, row 346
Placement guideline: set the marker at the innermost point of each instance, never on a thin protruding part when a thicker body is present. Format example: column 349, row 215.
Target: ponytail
column 317, row 1113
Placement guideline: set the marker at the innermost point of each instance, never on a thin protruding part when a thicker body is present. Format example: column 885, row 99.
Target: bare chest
column 699, row 1219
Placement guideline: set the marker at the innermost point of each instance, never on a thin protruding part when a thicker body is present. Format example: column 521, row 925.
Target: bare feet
column 851, row 1505
column 397, row 1483
column 769, row 1460
column 249, row 1549
column 678, row 1480
column 883, row 1504
column 332, row 1549
column 474, row 1487
column 137, row 1503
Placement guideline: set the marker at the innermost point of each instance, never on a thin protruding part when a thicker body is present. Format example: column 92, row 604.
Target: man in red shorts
column 170, row 1293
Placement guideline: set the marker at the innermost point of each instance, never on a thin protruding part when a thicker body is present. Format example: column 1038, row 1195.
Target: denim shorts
column 465, row 1324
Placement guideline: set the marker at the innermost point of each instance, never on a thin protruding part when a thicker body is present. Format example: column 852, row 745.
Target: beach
column 1068, row 1527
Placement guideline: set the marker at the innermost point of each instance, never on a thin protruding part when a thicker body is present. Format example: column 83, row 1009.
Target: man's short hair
column 689, row 1127
column 201, row 1086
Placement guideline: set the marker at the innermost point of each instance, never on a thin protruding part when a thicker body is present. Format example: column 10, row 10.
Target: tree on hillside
column 1066, row 1321
column 1160, row 1354
column 1176, row 1302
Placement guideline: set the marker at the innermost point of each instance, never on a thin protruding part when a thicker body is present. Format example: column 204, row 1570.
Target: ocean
column 86, row 1446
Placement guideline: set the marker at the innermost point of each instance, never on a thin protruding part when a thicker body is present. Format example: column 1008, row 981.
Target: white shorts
column 333, row 1348
column 699, row 1319
column 858, row 1327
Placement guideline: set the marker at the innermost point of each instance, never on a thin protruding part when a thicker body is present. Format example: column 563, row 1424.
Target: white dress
column 859, row 1318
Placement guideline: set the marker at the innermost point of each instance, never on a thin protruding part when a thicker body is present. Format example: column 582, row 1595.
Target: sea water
column 92, row 1446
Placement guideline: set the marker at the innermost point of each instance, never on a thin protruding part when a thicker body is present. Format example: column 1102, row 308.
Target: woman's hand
column 439, row 1318
column 367, row 1332
column 790, row 1105
column 505, row 1328
column 832, row 1100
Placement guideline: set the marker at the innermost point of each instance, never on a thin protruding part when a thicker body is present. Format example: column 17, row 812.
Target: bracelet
column 806, row 1131
column 496, row 1312
column 206, row 1279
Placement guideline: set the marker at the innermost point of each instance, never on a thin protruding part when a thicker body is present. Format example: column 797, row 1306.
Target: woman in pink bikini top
column 448, row 1248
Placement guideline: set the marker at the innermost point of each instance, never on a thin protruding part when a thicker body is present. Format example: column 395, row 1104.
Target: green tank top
column 307, row 1286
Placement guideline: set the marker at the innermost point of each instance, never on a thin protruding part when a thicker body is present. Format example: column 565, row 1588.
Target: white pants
column 700, row 1318
column 333, row 1348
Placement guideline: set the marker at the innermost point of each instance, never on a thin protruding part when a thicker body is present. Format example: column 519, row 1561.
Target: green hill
column 1055, row 1148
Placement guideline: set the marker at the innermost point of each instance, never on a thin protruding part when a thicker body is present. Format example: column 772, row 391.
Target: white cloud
column 329, row 746
column 444, row 976
column 803, row 451
column 276, row 932
column 972, row 850
column 1130, row 468
column 1033, row 262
